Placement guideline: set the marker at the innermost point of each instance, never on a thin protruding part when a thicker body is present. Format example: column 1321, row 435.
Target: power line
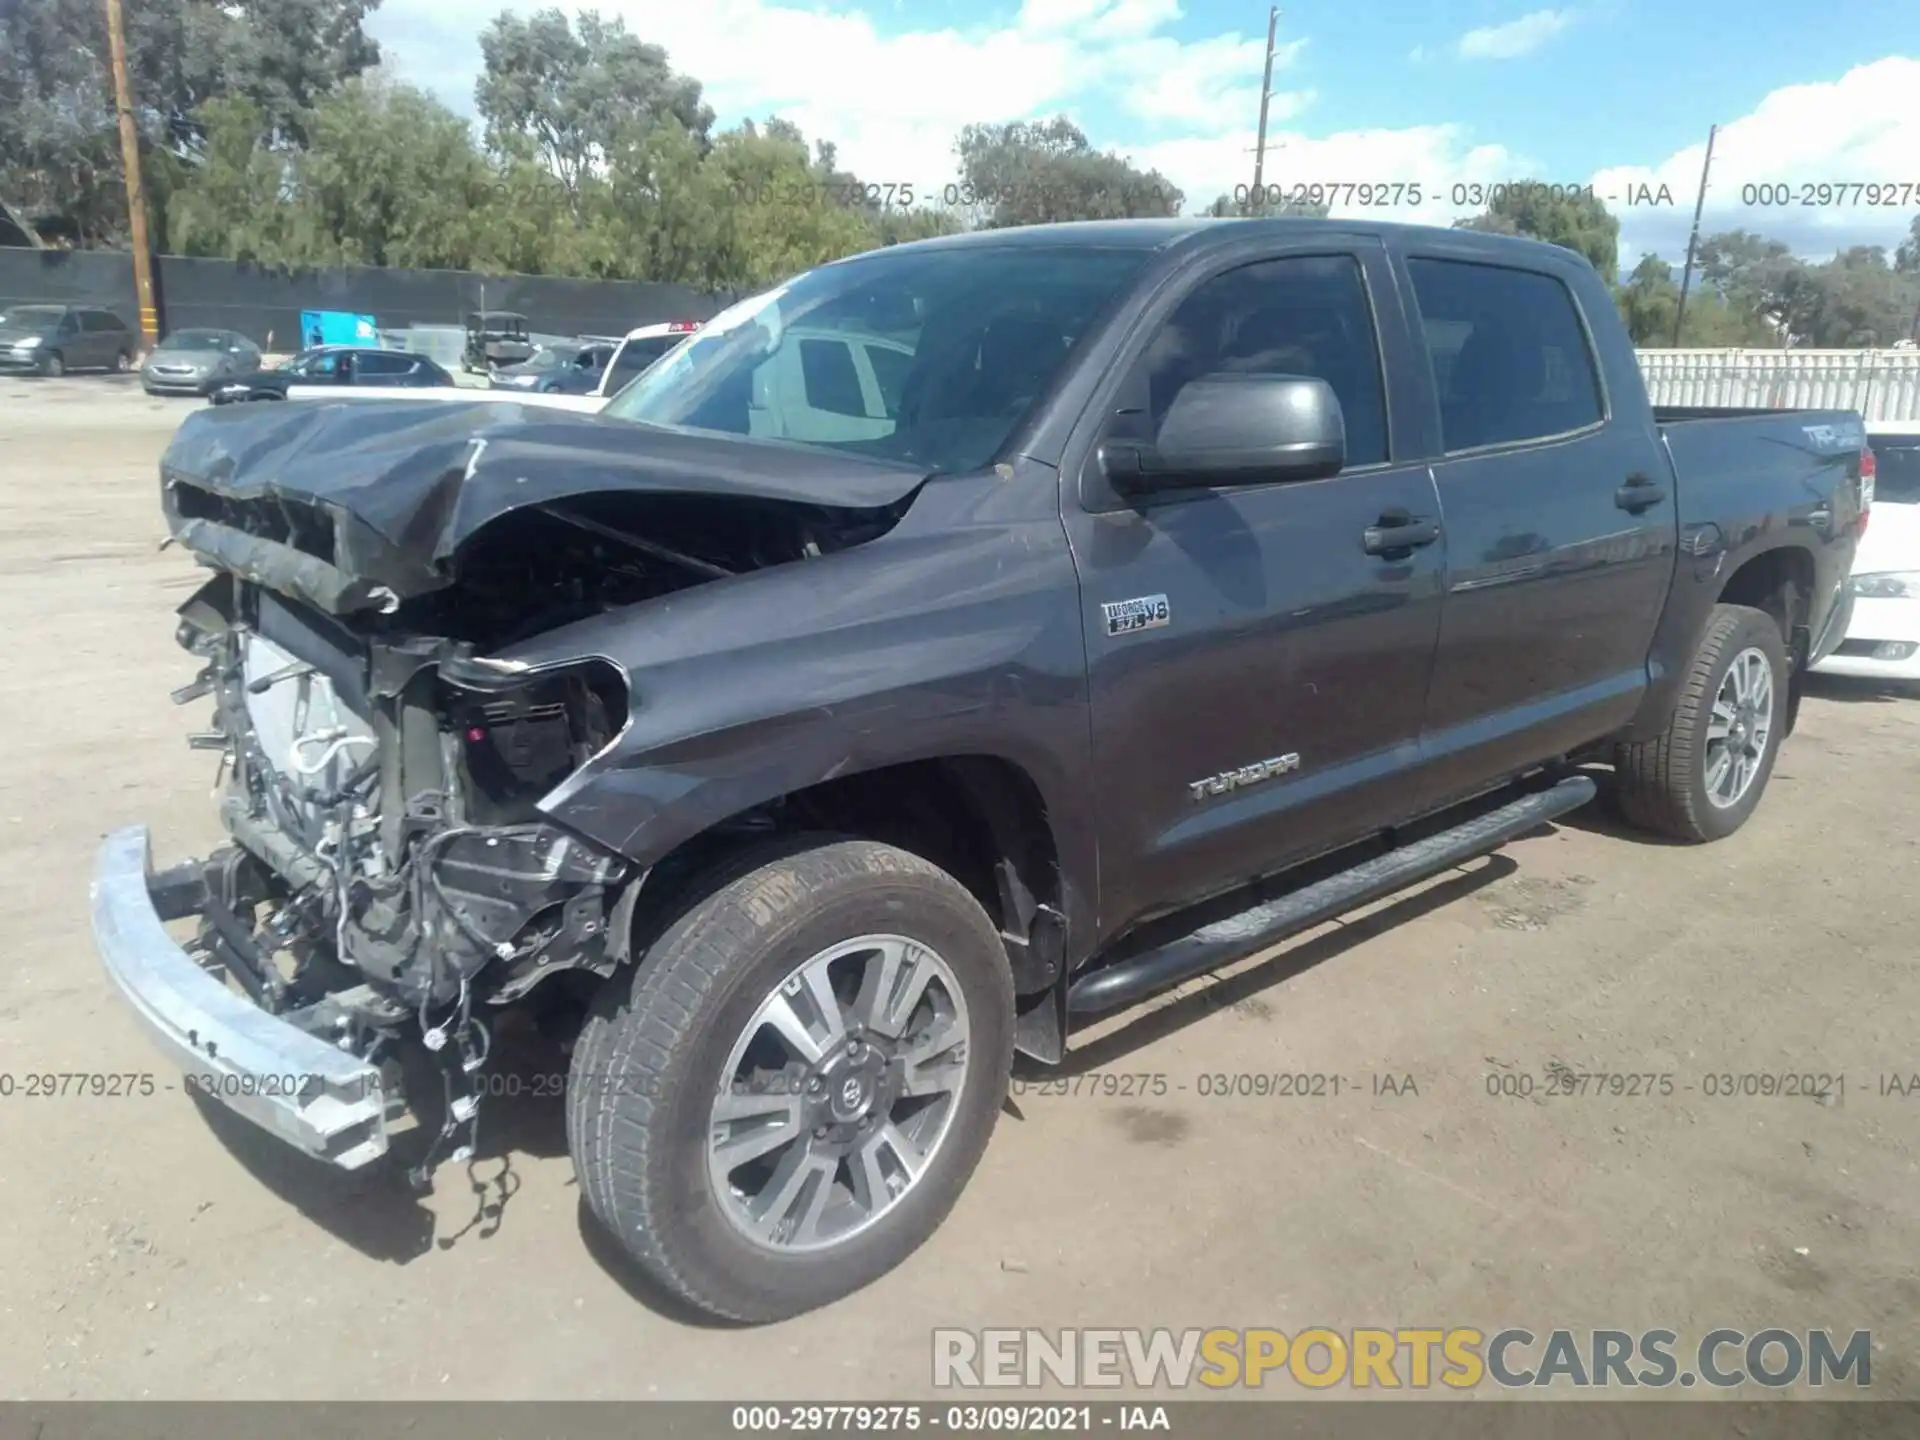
column 1693, row 236
column 1266, row 93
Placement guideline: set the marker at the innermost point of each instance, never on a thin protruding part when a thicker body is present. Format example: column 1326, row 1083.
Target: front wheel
column 786, row 1098
column 1703, row 778
column 52, row 365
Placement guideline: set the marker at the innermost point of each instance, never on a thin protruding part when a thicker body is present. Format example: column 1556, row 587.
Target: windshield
column 541, row 360
column 194, row 340
column 1896, row 460
column 931, row 357
column 30, row 317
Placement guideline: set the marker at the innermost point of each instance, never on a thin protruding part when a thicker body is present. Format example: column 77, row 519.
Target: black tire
column 1662, row 783
column 122, row 363
column 649, row 1060
column 53, row 365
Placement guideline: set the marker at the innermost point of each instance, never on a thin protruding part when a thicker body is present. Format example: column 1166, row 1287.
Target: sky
column 1619, row 94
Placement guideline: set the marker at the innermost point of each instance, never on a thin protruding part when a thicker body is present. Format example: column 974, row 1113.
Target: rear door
column 71, row 341
column 1560, row 523
column 110, row 336
column 1231, row 627
column 92, row 348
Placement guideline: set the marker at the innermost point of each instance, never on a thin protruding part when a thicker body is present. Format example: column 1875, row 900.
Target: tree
column 1577, row 220
column 577, row 94
column 235, row 203
column 1648, row 302
column 1758, row 278
column 778, row 218
column 1855, row 299
column 1651, row 297
column 59, row 148
column 393, row 178
column 1907, row 258
column 1032, row 173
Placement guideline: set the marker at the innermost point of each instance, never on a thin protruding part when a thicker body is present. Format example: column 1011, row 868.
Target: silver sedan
column 192, row 362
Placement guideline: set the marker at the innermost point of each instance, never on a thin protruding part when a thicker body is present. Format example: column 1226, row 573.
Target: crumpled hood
column 407, row 483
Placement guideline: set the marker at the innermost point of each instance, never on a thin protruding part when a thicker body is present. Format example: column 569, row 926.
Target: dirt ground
column 147, row 1253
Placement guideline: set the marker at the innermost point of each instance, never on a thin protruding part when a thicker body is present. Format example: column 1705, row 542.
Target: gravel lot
column 150, row 1254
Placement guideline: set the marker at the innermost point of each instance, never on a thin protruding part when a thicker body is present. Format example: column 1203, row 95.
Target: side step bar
column 1224, row 941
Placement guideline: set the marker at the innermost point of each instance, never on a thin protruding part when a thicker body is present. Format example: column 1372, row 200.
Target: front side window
column 1306, row 316
column 1510, row 358
column 983, row 332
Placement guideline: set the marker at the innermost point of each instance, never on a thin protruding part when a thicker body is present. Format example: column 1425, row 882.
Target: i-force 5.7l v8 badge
column 1149, row 612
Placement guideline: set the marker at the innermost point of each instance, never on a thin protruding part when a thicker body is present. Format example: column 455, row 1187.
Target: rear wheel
column 786, row 1098
column 1701, row 779
column 122, row 363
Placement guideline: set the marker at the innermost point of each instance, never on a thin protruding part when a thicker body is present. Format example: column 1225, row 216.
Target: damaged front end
column 391, row 870
column 392, row 876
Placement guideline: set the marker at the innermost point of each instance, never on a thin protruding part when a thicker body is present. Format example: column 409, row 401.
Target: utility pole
column 1693, row 237
column 136, row 192
column 1266, row 92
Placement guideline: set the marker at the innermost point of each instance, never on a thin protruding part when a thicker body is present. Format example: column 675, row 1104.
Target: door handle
column 1641, row 496
column 1399, row 532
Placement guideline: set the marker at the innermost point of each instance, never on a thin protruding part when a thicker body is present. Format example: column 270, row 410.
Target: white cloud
column 1516, row 37
column 1858, row 130
column 1429, row 158
column 893, row 103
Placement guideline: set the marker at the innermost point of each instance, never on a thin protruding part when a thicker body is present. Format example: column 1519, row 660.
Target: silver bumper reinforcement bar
column 309, row 1093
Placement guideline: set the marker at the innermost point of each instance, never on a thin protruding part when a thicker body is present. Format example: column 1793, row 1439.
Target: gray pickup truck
column 952, row 645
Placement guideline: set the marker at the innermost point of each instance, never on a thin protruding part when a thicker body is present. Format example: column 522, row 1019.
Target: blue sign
column 336, row 327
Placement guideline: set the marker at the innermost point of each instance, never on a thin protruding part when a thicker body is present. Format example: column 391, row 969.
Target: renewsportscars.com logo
column 1459, row 1358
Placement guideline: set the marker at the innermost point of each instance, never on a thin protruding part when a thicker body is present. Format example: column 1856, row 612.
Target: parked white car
column 1883, row 635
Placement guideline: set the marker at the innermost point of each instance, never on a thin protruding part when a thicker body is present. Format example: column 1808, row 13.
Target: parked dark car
column 53, row 339
column 496, row 338
column 1203, row 581
column 334, row 365
column 196, row 362
column 557, row 370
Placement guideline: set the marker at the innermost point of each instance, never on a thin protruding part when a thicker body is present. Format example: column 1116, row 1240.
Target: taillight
column 682, row 327
column 1869, row 467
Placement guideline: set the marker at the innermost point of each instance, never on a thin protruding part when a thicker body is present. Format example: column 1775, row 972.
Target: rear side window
column 1511, row 360
column 371, row 363
column 890, row 374
column 99, row 321
column 833, row 385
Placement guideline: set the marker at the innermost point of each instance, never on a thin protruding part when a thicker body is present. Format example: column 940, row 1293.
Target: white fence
column 1880, row 384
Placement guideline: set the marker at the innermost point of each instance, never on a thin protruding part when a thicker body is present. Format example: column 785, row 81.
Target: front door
column 1257, row 674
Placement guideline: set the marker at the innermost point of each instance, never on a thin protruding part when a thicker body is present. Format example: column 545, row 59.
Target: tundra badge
column 1123, row 617
column 1230, row 780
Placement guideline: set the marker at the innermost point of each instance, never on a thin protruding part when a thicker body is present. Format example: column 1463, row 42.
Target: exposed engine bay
column 381, row 776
